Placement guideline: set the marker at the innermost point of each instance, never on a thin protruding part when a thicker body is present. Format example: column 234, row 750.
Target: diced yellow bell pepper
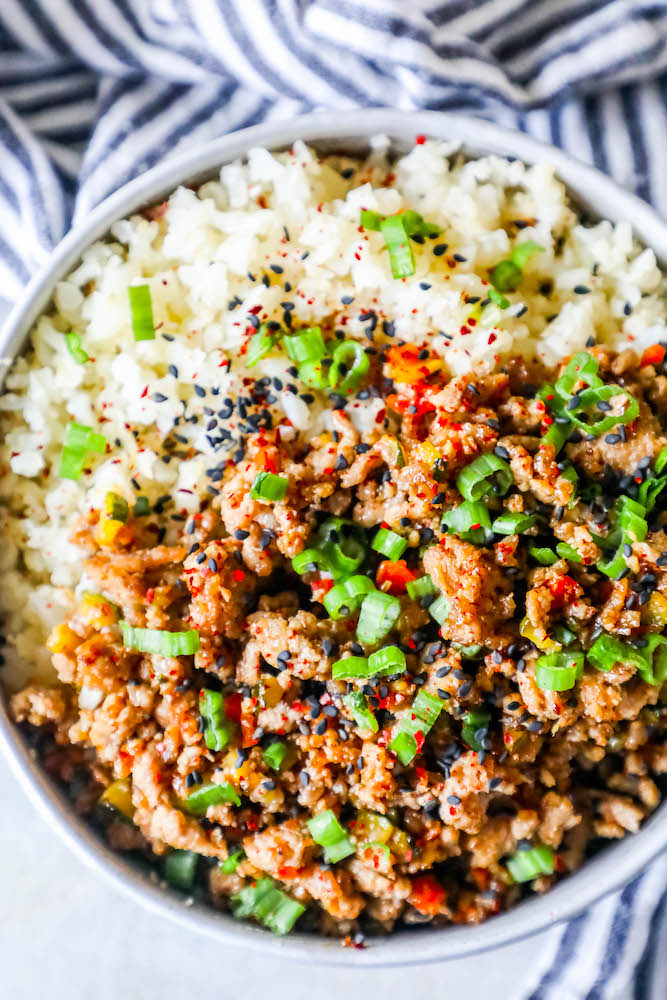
column 426, row 454
column 371, row 827
column 528, row 632
column 107, row 530
column 62, row 639
column 654, row 611
column 118, row 795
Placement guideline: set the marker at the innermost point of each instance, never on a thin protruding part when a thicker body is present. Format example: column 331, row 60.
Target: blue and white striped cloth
column 94, row 91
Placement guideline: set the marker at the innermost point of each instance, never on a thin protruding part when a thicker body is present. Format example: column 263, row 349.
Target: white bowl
column 349, row 131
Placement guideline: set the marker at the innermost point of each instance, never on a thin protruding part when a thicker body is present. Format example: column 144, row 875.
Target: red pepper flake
column 420, row 140
column 492, row 338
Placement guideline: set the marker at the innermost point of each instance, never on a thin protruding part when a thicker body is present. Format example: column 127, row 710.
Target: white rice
column 209, row 251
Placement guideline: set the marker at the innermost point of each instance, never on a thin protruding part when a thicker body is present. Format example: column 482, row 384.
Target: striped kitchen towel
column 93, row 92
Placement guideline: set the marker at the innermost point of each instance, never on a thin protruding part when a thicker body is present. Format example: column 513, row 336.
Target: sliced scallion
column 487, row 474
column 417, row 722
column 524, row 866
column 73, row 343
column 357, row 705
column 160, row 642
column 180, row 869
column 268, row 486
column 141, row 307
column 377, row 617
column 198, row 801
column 328, row 833
column 389, row 544
column 219, row 729
column 558, row 671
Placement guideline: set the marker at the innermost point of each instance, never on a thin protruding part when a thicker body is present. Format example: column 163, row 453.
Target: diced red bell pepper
column 393, row 577
column 653, row 355
column 427, row 895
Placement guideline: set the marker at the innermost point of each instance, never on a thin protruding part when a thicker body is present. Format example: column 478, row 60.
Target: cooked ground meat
column 503, row 702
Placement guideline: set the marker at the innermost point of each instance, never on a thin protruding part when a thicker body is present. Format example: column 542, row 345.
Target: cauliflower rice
column 277, row 238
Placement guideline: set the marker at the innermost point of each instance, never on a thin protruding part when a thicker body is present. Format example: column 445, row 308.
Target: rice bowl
column 134, row 383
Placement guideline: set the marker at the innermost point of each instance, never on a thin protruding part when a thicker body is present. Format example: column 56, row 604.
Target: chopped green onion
column 260, row 344
column 396, row 230
column 274, row 755
column 116, row 507
column 73, row 343
column 422, row 587
column 631, row 527
column 564, row 635
column 470, row 521
column 329, row 834
column 79, row 440
column 570, row 473
column 389, row 660
column 141, row 307
column 344, row 598
column 467, row 652
column 587, row 417
column 268, row 486
column 180, row 869
column 357, row 704
column 487, row 474
column 526, row 865
column 566, row 551
column 82, row 438
column 219, row 729
column 357, row 587
column 557, row 433
column 349, row 667
column 198, row 801
column 344, row 544
column 159, row 642
column 498, row 298
column 513, row 523
column 141, row 507
column 350, row 366
column 661, row 461
column 377, row 617
column 544, row 556
column 306, row 346
column 632, row 518
column 583, row 367
column 310, row 560
column 475, row 725
column 268, row 905
column 401, row 257
column 607, row 651
column 650, row 490
column 506, row 276
column 371, row 220
column 420, row 720
column 558, row 671
column 439, row 609
column 654, row 655
column 389, row 544
column 231, row 863
column 522, row 253
column 314, row 374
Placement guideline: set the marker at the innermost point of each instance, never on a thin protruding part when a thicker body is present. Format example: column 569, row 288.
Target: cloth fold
column 92, row 92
